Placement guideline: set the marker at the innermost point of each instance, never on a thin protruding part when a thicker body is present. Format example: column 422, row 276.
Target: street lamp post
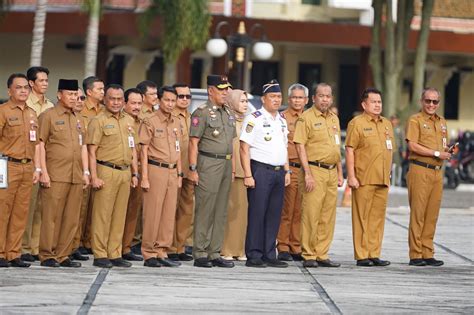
column 237, row 57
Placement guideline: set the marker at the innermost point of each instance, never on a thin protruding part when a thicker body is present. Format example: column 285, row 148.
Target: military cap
column 271, row 87
column 219, row 81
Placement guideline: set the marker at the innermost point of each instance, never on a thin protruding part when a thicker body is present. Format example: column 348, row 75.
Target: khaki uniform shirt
column 372, row 157
column 111, row 134
column 15, row 126
column 215, row 127
column 145, row 112
column 161, row 133
column 321, row 136
column 430, row 132
column 291, row 117
column 185, row 122
column 35, row 104
column 90, row 111
column 63, row 134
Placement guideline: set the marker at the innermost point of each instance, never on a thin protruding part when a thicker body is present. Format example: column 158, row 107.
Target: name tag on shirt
column 80, row 139
column 336, row 138
column 131, row 142
column 177, row 146
column 389, row 144
column 32, row 135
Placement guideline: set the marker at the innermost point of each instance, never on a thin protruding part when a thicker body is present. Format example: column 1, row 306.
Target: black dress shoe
column 285, row 256
column 219, row 262
column 17, row 262
column 76, row 255
column 417, row 262
column 365, row 263
column 174, row 257
column 152, row 262
column 102, row 263
column 166, row 262
column 433, row 262
column 275, row 263
column 69, row 263
column 137, row 249
column 50, row 263
column 202, row 262
column 85, row 251
column 256, row 263
column 119, row 262
column 188, row 250
column 4, row 263
column 328, row 263
column 36, row 257
column 132, row 257
column 297, row 257
column 27, row 257
column 379, row 262
column 184, row 257
column 310, row 263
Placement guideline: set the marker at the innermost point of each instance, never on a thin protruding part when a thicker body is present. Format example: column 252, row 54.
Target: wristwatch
column 436, row 154
column 135, row 175
column 180, row 174
column 192, row 167
column 38, row 169
column 87, row 173
column 289, row 172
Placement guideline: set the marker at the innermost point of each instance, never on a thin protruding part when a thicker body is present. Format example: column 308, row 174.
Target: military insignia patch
column 256, row 114
column 249, row 127
column 195, row 121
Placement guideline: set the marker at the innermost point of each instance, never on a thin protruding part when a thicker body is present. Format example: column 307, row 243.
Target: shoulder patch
column 257, row 114
column 202, row 106
column 282, row 114
column 195, row 121
column 249, row 127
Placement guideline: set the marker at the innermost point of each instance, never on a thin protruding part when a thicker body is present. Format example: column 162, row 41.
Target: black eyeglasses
column 428, row 101
column 82, row 98
column 184, row 96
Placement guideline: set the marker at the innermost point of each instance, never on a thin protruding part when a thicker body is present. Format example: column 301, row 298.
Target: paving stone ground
column 398, row 288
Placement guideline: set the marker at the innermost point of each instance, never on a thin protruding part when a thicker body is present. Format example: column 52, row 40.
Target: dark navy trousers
column 264, row 211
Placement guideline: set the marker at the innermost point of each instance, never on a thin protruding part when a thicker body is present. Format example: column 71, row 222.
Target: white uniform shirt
column 267, row 137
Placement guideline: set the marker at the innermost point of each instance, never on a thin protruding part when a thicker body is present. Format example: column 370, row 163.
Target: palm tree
column 93, row 7
column 38, row 33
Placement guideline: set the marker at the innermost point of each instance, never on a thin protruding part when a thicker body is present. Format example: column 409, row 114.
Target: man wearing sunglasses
column 184, row 211
column 427, row 139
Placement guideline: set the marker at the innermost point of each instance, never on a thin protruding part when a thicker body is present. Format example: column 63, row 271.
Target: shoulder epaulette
column 282, row 115
column 202, row 106
column 257, row 113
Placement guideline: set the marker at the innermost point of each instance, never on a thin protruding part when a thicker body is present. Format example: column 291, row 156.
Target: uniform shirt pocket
column 15, row 124
column 110, row 131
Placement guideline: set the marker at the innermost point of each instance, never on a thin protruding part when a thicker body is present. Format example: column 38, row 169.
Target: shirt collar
column 180, row 112
column 369, row 118
column 90, row 106
column 428, row 117
column 13, row 104
column 110, row 114
column 163, row 117
column 61, row 110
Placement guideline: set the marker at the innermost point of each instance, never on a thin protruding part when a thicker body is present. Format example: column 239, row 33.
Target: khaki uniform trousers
column 60, row 219
column 14, row 203
column 109, row 211
column 30, row 243
column 425, row 190
column 212, row 197
column 318, row 217
column 159, row 211
column 369, row 203
column 86, row 199
column 131, row 220
column 236, row 227
column 86, row 218
column 289, row 233
column 184, row 216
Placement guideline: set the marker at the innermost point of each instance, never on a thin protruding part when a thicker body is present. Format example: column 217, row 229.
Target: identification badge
column 131, row 142
column 177, row 146
column 336, row 138
column 80, row 139
column 3, row 172
column 445, row 142
column 32, row 135
column 389, row 144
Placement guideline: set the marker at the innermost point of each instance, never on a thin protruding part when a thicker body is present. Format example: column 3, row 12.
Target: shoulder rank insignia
column 249, row 127
column 282, row 115
column 257, row 114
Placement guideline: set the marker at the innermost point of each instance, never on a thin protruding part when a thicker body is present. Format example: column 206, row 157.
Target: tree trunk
column 390, row 82
column 421, row 51
column 92, row 39
column 375, row 57
column 38, row 33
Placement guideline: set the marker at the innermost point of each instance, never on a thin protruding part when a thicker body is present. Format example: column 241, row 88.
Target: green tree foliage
column 185, row 25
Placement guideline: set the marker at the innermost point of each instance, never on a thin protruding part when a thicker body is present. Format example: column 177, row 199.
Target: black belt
column 112, row 165
column 217, row 156
column 164, row 165
column 298, row 165
column 268, row 166
column 430, row 166
column 22, row 161
column 326, row 166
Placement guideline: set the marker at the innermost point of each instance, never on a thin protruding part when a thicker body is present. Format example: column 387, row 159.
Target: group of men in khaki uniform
column 90, row 163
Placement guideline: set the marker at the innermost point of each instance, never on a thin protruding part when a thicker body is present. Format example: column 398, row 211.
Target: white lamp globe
column 263, row 50
column 216, row 47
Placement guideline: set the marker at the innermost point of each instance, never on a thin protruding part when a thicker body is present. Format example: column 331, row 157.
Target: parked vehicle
column 199, row 96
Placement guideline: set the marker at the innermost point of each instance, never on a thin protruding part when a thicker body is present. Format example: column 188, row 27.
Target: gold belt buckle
column 171, row 166
column 277, row 168
column 24, row 161
column 228, row 156
column 437, row 167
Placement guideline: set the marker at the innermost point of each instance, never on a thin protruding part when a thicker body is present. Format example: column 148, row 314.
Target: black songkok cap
column 70, row 85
